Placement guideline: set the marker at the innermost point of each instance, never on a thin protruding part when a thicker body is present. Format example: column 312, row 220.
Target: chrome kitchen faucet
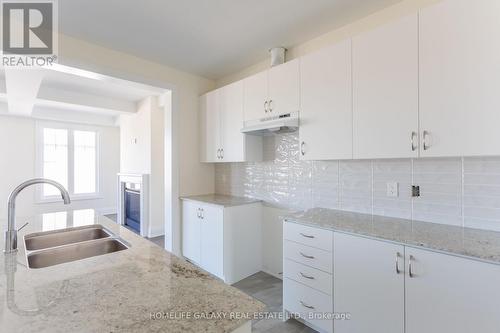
column 11, row 233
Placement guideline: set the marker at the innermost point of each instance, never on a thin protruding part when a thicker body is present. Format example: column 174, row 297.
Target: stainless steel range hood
column 284, row 123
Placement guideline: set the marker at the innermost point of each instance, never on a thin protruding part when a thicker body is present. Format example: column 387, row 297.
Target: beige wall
column 364, row 24
column 194, row 177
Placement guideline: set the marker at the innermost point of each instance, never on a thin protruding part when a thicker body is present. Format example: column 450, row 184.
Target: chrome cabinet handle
column 306, row 236
column 202, row 214
column 412, row 140
column 410, row 270
column 425, row 135
column 306, row 276
column 302, row 151
column 199, row 213
column 222, row 154
column 306, row 256
column 306, row 306
column 218, row 153
column 397, row 263
column 270, row 106
column 265, row 106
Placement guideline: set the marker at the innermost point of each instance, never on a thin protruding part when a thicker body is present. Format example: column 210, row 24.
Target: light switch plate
column 393, row 189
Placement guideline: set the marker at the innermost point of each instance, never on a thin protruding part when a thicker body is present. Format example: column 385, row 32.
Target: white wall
column 194, row 177
column 191, row 176
column 142, row 149
column 135, row 140
column 17, row 164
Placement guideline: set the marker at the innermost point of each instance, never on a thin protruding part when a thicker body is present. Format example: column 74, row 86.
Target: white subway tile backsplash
column 481, row 192
column 325, row 184
column 440, row 182
column 456, row 191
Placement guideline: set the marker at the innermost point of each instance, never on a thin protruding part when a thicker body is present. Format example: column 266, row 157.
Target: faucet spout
column 11, row 233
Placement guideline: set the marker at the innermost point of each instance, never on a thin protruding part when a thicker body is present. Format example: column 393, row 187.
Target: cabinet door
column 367, row 285
column 284, row 88
column 233, row 141
column 255, row 96
column 191, row 231
column 210, row 126
column 451, row 294
column 212, row 241
column 459, row 78
column 326, row 103
column 385, row 90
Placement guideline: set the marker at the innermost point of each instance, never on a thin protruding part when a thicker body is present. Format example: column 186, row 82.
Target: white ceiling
column 211, row 38
column 69, row 94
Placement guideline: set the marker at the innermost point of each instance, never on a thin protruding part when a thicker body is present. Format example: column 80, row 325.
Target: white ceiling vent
column 277, row 56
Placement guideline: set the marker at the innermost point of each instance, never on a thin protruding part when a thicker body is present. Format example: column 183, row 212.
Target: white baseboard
column 279, row 276
column 156, row 232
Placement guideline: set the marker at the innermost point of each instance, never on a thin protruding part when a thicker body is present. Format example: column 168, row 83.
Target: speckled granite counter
column 141, row 289
column 221, row 200
column 474, row 243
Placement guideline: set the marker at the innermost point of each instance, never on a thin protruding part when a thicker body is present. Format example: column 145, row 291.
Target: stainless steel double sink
column 44, row 249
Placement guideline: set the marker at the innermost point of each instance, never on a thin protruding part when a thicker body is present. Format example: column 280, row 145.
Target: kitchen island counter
column 141, row 289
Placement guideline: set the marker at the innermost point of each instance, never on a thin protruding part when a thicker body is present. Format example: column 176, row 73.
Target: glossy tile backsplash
column 457, row 191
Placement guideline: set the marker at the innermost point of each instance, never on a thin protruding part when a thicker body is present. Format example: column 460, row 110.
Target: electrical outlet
column 393, row 189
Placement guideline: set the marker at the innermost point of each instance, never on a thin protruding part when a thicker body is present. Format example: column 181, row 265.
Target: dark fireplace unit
column 133, row 209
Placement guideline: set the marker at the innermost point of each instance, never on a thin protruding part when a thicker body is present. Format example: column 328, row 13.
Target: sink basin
column 44, row 240
column 73, row 252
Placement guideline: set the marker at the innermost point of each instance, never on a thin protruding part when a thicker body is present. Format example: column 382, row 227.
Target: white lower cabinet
column 308, row 280
column 224, row 241
column 310, row 304
column 451, row 294
column 368, row 284
column 385, row 287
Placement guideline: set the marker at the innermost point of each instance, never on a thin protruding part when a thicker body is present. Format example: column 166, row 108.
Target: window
column 68, row 154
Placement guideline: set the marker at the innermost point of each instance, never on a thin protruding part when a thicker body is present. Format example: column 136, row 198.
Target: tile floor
column 269, row 290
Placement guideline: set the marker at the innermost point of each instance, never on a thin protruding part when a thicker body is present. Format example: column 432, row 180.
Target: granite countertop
column 221, row 200
column 141, row 289
column 473, row 243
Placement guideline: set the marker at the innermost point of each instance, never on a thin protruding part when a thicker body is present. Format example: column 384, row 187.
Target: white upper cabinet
column 221, row 121
column 450, row 294
column 326, row 103
column 232, row 121
column 210, row 126
column 255, row 100
column 284, row 88
column 460, row 78
column 272, row 92
column 385, row 90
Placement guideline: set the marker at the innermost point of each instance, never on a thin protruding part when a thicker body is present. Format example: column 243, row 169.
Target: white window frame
column 40, row 125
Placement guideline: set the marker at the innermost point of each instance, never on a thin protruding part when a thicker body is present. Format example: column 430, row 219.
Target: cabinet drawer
column 313, row 306
column 308, row 255
column 309, row 276
column 315, row 237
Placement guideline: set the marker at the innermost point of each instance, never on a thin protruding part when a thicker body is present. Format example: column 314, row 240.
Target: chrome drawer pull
column 306, row 236
column 306, row 306
column 412, row 139
column 397, row 263
column 410, row 270
column 306, row 256
column 306, row 276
